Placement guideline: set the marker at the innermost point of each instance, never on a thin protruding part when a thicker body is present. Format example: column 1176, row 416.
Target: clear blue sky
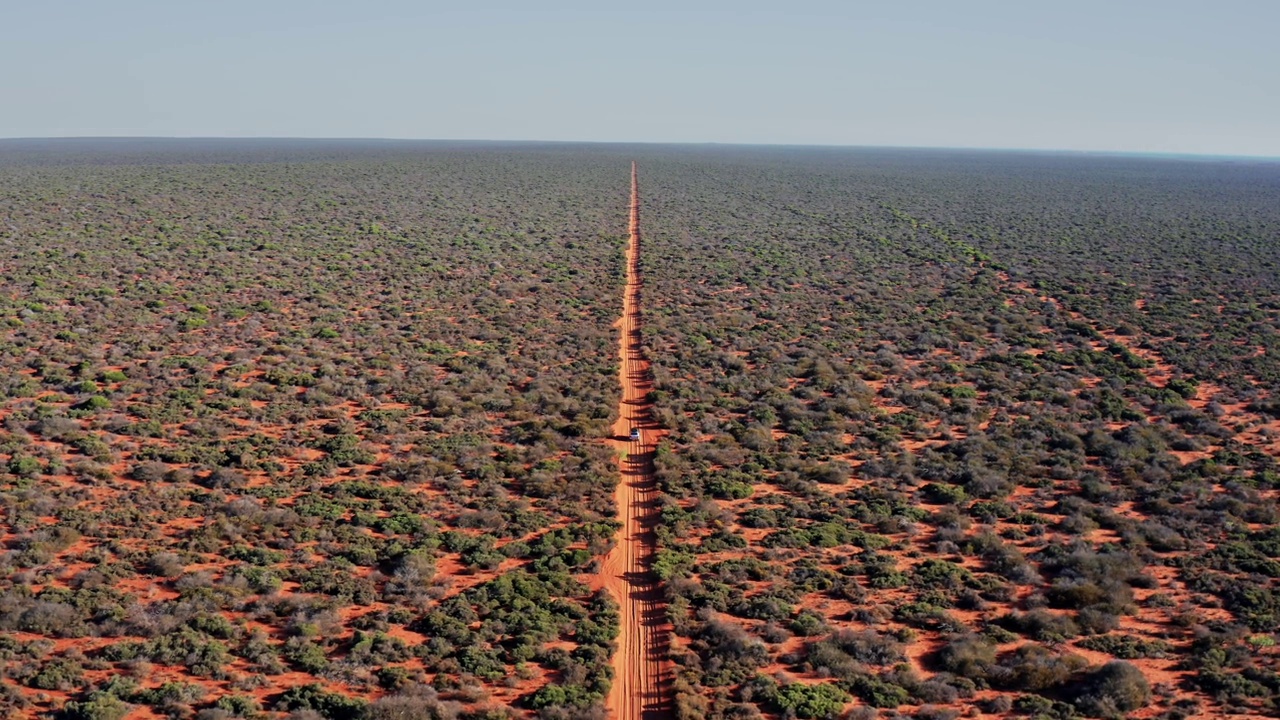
column 1195, row 76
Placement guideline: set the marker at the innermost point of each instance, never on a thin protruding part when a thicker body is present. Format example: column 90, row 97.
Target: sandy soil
column 640, row 664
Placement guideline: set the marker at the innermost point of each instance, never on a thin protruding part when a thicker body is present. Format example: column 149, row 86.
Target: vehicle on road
column 635, row 434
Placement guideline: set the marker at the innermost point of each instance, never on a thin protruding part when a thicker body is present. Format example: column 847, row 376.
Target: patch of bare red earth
column 641, row 665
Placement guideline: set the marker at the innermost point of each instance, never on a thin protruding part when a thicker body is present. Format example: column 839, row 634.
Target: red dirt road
column 640, row 664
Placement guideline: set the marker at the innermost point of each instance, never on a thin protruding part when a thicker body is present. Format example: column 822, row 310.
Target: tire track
column 640, row 663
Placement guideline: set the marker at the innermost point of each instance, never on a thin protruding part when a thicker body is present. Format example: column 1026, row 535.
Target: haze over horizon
column 1146, row 77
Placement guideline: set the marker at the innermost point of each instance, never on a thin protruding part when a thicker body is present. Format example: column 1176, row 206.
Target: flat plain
column 324, row 428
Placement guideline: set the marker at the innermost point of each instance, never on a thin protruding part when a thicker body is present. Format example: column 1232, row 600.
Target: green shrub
column 877, row 692
column 944, row 494
column 1035, row 668
column 239, row 705
column 305, row 655
column 331, row 706
column 99, row 706
column 670, row 563
column 24, row 466
column 1126, row 647
column 823, row 700
column 1112, row 690
column 57, row 674
column 970, row 656
column 556, row 695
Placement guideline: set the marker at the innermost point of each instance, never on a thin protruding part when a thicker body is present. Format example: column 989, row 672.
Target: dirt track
column 640, row 663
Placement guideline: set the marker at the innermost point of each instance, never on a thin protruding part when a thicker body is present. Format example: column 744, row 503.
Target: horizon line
column 972, row 148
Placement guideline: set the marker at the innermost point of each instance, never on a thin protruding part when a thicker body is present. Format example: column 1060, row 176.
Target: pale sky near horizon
column 1178, row 76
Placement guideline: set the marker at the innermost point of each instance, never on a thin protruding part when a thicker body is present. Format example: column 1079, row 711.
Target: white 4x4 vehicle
column 635, row 434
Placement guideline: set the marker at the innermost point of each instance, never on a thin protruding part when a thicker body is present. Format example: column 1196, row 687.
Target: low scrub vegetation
column 299, row 430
